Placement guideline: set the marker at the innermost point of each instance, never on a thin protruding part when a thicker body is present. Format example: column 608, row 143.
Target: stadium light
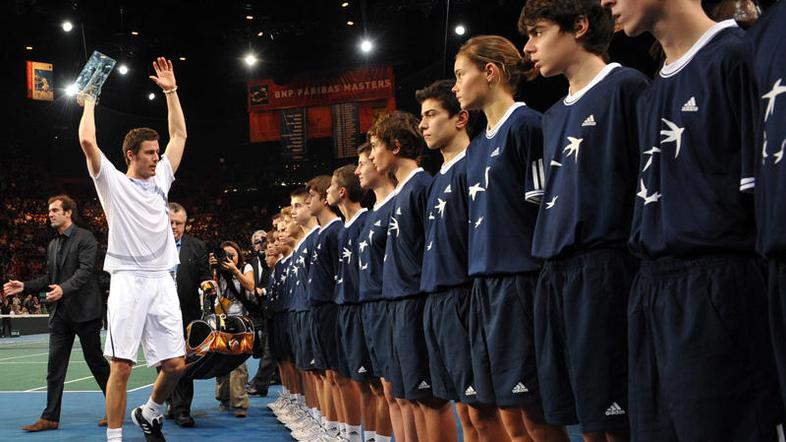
column 71, row 90
column 250, row 60
column 151, row 96
column 67, row 26
column 366, row 46
column 123, row 69
column 460, row 30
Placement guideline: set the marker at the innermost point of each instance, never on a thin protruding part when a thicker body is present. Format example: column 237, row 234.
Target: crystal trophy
column 93, row 75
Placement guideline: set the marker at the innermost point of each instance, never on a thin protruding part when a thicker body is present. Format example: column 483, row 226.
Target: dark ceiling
column 213, row 36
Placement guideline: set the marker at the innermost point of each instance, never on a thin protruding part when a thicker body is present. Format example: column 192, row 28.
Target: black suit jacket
column 76, row 274
column 192, row 270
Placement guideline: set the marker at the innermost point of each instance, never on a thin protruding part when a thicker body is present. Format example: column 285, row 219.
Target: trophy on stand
column 93, row 76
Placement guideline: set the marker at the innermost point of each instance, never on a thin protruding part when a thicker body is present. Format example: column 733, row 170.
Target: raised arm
column 87, row 136
column 165, row 79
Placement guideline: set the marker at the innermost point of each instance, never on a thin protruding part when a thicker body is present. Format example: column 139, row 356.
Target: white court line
column 75, row 380
column 139, row 388
column 23, row 356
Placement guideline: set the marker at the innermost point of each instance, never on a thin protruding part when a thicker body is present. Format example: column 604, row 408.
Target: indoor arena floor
column 23, row 397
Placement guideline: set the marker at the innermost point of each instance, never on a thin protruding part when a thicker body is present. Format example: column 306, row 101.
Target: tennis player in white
column 143, row 306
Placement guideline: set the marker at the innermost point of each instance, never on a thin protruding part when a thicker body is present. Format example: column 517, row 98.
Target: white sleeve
column 106, row 179
column 164, row 174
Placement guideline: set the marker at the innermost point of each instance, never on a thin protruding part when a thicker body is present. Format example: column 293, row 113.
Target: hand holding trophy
column 91, row 79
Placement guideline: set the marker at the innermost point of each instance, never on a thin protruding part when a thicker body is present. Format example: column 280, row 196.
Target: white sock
column 114, row 434
column 369, row 436
column 354, row 433
column 151, row 409
column 342, row 428
column 379, row 438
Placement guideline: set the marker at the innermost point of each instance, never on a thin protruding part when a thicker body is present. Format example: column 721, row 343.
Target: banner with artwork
column 40, row 81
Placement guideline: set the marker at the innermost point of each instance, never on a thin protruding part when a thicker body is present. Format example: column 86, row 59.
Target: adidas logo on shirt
column 362, row 370
column 470, row 391
column 520, row 388
column 690, row 105
column 614, row 410
column 424, row 386
column 495, row 153
column 590, row 121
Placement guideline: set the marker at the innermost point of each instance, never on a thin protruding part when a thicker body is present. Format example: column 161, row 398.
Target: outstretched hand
column 165, row 75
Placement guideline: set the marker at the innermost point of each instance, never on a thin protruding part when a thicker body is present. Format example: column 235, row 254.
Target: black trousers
column 267, row 367
column 179, row 402
column 61, row 341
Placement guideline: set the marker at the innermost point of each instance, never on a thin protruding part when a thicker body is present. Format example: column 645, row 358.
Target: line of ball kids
column 616, row 263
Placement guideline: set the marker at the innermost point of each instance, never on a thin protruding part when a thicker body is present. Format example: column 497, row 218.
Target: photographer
column 237, row 290
column 259, row 384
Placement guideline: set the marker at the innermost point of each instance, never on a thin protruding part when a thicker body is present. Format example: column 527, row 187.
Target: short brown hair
column 134, row 139
column 177, row 208
column 442, row 91
column 346, row 178
column 319, row 184
column 66, row 201
column 502, row 53
column 364, row 148
column 299, row 192
column 565, row 13
column 402, row 127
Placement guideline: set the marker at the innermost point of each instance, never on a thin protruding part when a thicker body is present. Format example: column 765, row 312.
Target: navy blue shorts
column 292, row 335
column 323, row 337
column 354, row 359
column 408, row 363
column 279, row 337
column 378, row 333
column 502, row 340
column 304, row 357
column 581, row 340
column 700, row 358
column 777, row 292
column 445, row 324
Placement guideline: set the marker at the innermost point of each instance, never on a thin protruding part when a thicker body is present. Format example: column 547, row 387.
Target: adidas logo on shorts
column 470, row 391
column 520, row 388
column 424, row 386
column 362, row 370
column 313, row 361
column 614, row 410
column 690, row 105
column 590, row 121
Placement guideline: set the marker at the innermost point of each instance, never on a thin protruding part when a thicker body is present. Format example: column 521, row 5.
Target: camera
column 220, row 254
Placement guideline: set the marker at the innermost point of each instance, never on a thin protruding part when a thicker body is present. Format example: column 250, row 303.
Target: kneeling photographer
column 237, row 289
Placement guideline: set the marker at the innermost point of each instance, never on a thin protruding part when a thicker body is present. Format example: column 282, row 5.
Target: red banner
column 363, row 84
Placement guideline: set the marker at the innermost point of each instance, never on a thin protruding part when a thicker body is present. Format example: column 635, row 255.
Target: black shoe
column 152, row 429
column 185, row 421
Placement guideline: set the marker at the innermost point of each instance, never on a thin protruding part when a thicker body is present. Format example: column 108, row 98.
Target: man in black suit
column 261, row 381
column 192, row 270
column 74, row 306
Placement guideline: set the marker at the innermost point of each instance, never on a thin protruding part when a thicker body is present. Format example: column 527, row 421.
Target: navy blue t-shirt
column 769, row 70
column 299, row 269
column 321, row 286
column 591, row 156
column 445, row 254
column 694, row 121
column 371, row 250
column 406, row 232
column 505, row 175
column 277, row 289
column 347, row 274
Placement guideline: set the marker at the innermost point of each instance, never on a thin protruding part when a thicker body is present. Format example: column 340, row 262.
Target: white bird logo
column 764, row 149
column 555, row 163
column 371, row 236
column 779, row 154
column 651, row 153
column 448, row 189
column 364, row 266
column 478, row 222
column 340, row 281
column 362, row 245
column 378, row 223
column 770, row 96
column 673, row 133
column 393, row 226
column 347, row 254
column 647, row 198
column 428, row 247
column 573, row 147
column 551, row 203
column 441, row 206
column 494, row 153
column 473, row 190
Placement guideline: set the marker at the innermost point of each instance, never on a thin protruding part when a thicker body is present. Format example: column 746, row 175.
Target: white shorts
column 144, row 308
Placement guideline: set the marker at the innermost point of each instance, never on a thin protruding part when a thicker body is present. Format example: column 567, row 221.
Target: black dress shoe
column 185, row 421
